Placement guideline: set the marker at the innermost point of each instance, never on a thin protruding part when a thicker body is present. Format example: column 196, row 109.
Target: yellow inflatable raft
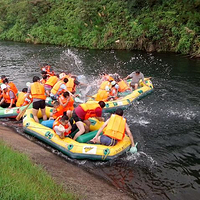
column 126, row 99
column 78, row 149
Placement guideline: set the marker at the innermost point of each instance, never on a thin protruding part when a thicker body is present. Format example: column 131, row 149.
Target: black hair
column 56, row 103
column 5, row 80
column 64, row 118
column 35, row 79
column 119, row 112
column 43, row 72
column 25, row 90
column 137, row 71
column 45, row 77
column 65, row 80
column 66, row 94
column 102, row 104
column 3, row 76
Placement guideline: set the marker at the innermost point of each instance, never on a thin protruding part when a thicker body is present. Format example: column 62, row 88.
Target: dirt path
column 81, row 182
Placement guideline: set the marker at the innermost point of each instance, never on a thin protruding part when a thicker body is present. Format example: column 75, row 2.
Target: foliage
column 161, row 25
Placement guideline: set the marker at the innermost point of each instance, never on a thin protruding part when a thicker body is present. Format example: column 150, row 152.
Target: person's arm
column 12, row 97
column 69, row 128
column 11, row 103
column 130, row 135
column 100, row 118
column 99, row 131
column 2, row 100
column 129, row 76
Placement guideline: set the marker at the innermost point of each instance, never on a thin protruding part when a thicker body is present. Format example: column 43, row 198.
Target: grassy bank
column 20, row 179
column 151, row 25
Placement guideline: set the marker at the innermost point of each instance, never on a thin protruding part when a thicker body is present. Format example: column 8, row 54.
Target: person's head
column 102, row 104
column 66, row 94
column 56, row 104
column 3, row 77
column 65, row 80
column 137, row 72
column 64, row 120
column 4, row 87
column 25, row 90
column 43, row 73
column 119, row 112
column 5, row 81
column 36, row 79
column 45, row 77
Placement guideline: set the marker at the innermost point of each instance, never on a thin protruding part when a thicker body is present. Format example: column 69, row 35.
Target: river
column 166, row 124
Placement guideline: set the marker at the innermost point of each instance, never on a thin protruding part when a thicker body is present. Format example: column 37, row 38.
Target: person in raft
column 116, row 127
column 57, row 111
column 83, row 112
column 9, row 98
column 22, row 100
column 62, row 126
column 37, row 92
column 136, row 77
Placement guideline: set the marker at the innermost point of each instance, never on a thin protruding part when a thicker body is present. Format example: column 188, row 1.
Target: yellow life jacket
column 116, row 127
column 21, row 99
column 89, row 109
column 70, row 84
column 102, row 95
column 38, row 91
column 56, row 87
column 104, row 84
column 52, row 80
column 122, row 86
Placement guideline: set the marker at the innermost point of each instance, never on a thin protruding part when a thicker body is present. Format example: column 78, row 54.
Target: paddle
column 22, row 112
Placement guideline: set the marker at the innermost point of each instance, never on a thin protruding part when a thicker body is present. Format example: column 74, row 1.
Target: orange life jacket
column 102, row 95
column 56, row 87
column 89, row 109
column 70, row 105
column 57, row 123
column 1, row 94
column 70, row 85
column 123, row 86
column 13, row 87
column 104, row 84
column 116, row 127
column 52, row 81
column 7, row 98
column 1, row 81
column 37, row 91
column 59, row 112
column 21, row 99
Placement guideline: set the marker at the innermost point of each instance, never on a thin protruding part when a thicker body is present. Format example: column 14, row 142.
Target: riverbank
column 152, row 26
column 70, row 176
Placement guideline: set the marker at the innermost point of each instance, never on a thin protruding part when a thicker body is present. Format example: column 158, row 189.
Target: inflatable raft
column 11, row 112
column 78, row 149
column 125, row 99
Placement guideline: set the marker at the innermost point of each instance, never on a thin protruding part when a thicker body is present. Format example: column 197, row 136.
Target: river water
column 166, row 124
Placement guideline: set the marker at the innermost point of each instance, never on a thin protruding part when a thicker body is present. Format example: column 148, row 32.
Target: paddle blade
column 20, row 115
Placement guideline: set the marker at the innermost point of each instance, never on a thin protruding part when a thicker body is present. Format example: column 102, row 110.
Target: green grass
column 20, row 179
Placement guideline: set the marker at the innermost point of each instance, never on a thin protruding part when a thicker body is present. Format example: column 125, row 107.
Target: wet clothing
column 136, row 78
column 39, row 104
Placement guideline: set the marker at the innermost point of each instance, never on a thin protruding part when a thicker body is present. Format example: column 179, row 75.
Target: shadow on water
column 166, row 124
